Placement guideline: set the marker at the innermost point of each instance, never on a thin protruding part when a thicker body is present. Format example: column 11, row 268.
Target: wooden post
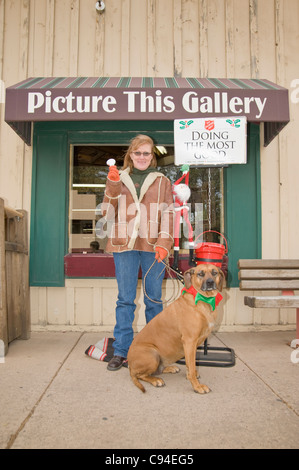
column 3, row 305
column 24, row 277
column 14, row 276
column 17, row 275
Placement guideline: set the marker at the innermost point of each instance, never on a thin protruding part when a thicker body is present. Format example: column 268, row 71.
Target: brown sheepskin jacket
column 138, row 223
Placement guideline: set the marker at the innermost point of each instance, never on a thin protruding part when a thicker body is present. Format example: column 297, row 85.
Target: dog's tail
column 137, row 383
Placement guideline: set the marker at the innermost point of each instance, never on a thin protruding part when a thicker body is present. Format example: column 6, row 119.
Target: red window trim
column 101, row 265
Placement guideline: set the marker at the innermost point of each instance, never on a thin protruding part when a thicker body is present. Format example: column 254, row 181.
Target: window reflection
column 88, row 178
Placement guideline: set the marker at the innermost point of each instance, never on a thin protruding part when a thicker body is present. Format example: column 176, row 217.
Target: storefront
column 75, row 124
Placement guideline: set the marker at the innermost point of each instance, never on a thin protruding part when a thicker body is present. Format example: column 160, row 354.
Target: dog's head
column 205, row 278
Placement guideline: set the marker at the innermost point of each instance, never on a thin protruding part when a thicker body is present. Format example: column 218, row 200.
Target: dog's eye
column 201, row 274
column 214, row 272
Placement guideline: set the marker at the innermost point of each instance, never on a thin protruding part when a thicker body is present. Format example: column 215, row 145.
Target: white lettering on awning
column 217, row 103
column 220, row 104
column 69, row 103
column 140, row 101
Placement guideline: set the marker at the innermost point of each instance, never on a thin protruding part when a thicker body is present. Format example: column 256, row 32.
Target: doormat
column 103, row 350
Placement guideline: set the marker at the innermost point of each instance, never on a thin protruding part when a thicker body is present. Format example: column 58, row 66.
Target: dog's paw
column 201, row 388
column 157, row 382
column 171, row 370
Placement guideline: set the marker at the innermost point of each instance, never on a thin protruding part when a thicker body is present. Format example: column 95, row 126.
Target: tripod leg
column 175, row 264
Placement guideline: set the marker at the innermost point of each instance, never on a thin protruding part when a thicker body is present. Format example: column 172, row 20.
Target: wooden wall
column 215, row 38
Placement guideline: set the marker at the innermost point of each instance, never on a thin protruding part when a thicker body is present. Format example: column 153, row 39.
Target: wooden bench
column 273, row 275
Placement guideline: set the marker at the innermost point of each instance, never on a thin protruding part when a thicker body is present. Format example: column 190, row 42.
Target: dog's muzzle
column 208, row 285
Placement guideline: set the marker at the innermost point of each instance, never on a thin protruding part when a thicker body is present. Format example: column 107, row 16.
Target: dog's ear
column 221, row 280
column 187, row 278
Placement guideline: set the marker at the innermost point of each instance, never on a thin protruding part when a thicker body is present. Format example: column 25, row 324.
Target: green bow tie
column 213, row 301
column 199, row 297
column 207, row 300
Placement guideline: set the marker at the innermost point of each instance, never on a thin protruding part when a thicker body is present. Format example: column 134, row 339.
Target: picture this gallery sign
column 214, row 141
column 140, row 103
column 137, row 98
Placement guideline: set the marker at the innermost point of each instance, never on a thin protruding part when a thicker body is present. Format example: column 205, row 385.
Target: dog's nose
column 209, row 284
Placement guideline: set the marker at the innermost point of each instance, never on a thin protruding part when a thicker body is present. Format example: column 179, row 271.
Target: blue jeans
column 127, row 265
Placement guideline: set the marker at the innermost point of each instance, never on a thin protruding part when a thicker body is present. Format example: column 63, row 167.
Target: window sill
column 102, row 265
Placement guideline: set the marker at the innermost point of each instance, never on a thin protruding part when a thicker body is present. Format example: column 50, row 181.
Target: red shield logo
column 209, row 125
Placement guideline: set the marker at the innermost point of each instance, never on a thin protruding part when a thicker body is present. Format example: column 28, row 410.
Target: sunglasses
column 145, row 154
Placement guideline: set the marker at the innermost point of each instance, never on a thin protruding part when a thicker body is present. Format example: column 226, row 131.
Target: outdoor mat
column 205, row 356
column 102, row 350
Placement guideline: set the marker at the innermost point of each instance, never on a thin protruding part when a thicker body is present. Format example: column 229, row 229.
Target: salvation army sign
column 210, row 141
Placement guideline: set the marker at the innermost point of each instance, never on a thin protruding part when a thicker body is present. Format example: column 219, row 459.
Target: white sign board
column 210, row 141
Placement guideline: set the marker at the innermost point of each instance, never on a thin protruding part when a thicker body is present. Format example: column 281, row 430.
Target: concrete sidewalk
column 54, row 396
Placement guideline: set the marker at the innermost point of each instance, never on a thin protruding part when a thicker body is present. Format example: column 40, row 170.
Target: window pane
column 206, row 202
column 88, row 178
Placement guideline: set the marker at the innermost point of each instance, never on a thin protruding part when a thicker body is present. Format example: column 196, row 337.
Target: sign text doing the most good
column 210, row 141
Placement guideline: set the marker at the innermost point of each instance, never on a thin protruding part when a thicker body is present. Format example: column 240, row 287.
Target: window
column 88, row 178
column 51, row 260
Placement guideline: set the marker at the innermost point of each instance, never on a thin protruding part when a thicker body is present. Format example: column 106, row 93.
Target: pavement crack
column 264, row 382
column 270, row 388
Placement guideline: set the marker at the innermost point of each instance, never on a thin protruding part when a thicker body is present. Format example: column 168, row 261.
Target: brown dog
column 178, row 330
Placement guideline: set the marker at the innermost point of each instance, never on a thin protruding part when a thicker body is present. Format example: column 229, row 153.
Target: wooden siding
column 215, row 38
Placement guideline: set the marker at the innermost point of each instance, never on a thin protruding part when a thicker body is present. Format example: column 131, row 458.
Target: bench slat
column 272, row 284
column 268, row 263
column 269, row 274
column 272, row 301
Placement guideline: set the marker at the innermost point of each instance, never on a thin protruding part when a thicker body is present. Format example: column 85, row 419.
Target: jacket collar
column 127, row 181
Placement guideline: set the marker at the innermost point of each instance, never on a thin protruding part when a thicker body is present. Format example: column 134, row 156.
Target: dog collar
column 213, row 301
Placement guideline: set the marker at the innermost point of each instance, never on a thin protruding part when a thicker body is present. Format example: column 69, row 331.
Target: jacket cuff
column 165, row 243
column 112, row 188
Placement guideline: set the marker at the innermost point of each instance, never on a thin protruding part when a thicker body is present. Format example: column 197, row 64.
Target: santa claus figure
column 182, row 193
